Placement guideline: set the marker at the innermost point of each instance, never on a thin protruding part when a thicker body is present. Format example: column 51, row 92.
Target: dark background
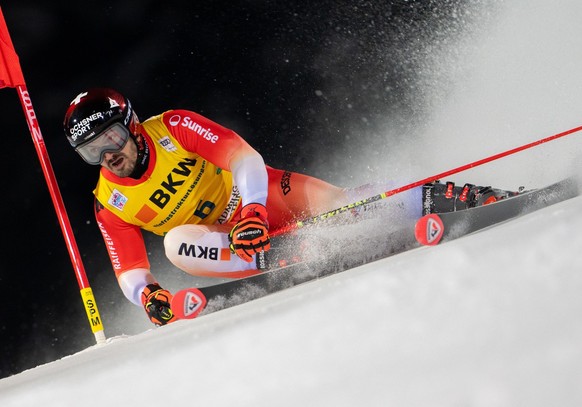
column 306, row 83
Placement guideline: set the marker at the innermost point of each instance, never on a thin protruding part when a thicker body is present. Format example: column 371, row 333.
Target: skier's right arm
column 127, row 252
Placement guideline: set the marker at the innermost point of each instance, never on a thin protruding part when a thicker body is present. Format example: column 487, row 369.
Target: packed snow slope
column 491, row 319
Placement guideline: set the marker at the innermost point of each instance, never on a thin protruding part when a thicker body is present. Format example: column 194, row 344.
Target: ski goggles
column 110, row 140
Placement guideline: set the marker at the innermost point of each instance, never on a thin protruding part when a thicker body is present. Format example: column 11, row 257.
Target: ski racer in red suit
column 189, row 179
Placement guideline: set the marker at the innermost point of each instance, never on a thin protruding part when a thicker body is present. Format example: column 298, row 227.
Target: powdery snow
column 491, row 319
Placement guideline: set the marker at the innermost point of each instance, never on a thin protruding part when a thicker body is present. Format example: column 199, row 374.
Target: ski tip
column 429, row 230
column 188, row 303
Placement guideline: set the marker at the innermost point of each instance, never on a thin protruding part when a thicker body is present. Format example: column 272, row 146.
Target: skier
column 205, row 189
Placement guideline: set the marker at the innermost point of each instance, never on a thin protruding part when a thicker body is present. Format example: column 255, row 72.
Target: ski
column 190, row 302
column 327, row 257
column 283, row 270
column 434, row 228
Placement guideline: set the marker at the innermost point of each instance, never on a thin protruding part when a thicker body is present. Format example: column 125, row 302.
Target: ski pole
column 383, row 195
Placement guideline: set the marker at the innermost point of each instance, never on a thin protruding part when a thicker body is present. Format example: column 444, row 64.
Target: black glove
column 156, row 302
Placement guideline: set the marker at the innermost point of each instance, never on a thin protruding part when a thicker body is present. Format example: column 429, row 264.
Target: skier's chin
column 120, row 167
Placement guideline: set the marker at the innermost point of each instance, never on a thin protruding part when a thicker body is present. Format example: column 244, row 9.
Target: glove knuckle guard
column 250, row 235
column 156, row 302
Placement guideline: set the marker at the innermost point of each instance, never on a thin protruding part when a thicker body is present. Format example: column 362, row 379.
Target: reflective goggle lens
column 112, row 139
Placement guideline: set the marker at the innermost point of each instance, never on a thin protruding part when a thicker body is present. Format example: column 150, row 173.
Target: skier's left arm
column 229, row 151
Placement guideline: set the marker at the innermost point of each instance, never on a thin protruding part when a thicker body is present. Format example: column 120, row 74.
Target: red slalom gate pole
column 11, row 76
column 333, row 212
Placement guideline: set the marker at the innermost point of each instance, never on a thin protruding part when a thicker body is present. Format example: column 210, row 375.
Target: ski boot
column 438, row 197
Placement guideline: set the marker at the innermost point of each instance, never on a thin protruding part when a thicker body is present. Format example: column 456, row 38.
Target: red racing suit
column 199, row 172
